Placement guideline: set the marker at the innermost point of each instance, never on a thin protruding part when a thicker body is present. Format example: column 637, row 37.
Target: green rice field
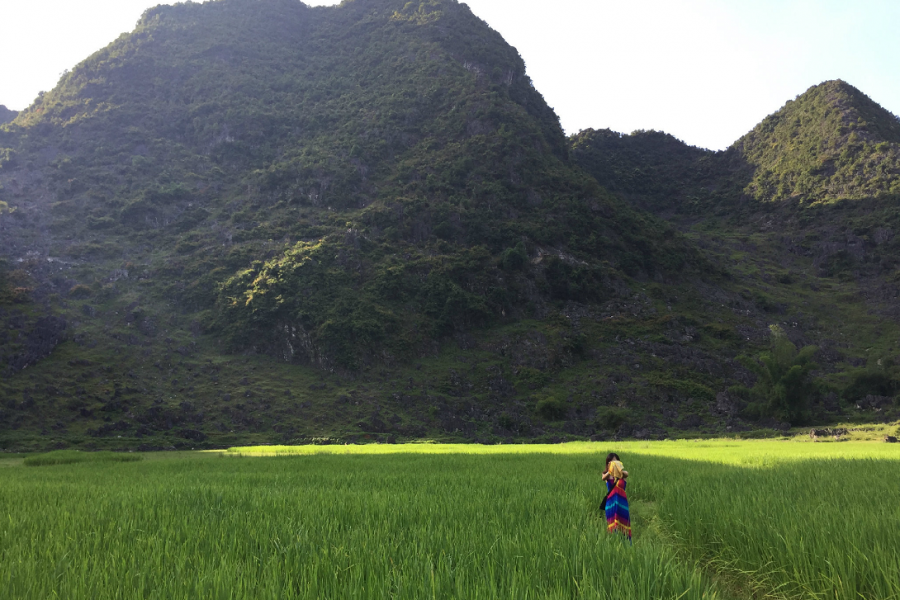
column 712, row 519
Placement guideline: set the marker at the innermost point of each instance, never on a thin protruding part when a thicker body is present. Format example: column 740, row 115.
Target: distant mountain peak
column 859, row 111
column 830, row 142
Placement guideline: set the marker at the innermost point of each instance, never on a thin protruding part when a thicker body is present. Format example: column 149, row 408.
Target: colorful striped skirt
column 617, row 517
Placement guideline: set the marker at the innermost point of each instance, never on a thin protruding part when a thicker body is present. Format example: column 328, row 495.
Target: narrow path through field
column 649, row 526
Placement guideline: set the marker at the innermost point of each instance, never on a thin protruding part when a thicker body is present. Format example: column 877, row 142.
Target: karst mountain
column 261, row 221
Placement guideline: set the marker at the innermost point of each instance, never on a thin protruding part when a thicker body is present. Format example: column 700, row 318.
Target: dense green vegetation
column 458, row 522
column 805, row 200
column 660, row 173
column 832, row 142
column 335, row 144
column 783, row 387
column 261, row 221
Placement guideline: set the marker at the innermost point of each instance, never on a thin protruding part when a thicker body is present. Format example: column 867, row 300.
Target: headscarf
column 616, row 468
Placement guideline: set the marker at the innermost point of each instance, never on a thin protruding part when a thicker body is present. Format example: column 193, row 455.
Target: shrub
column 721, row 332
column 865, row 382
column 754, row 411
column 506, row 420
column 80, row 291
column 739, row 391
column 532, row 378
column 515, row 258
column 551, row 408
column 443, row 230
column 610, row 418
column 783, row 385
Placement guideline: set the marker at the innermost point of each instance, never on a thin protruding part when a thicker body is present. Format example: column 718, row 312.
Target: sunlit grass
column 712, row 519
column 407, row 526
column 724, row 451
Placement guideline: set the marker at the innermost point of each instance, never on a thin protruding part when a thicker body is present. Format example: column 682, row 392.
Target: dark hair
column 611, row 457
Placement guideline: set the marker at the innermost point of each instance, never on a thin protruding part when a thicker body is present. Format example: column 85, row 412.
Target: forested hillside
column 658, row 172
column 265, row 221
column 803, row 212
column 366, row 153
column 831, row 143
column 6, row 115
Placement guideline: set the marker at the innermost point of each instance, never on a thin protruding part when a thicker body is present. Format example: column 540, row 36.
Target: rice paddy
column 712, row 519
column 68, row 457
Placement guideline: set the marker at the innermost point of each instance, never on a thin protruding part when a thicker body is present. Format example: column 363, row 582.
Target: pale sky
column 705, row 71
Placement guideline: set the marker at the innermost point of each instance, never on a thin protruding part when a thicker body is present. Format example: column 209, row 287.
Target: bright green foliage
column 426, row 520
column 725, row 451
column 327, row 527
column 783, row 385
column 831, row 142
column 799, row 528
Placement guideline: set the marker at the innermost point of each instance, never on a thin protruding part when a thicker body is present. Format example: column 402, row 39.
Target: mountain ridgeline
column 830, row 143
column 257, row 220
column 6, row 115
column 393, row 159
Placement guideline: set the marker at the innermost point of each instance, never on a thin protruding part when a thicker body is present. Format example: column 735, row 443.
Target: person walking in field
column 616, row 502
